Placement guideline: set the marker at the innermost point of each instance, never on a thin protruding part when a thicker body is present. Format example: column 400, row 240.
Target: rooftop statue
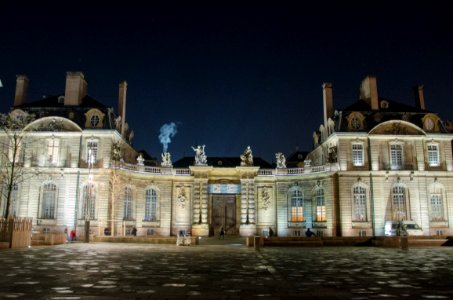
column 166, row 160
column 247, row 157
column 200, row 156
column 281, row 160
column 140, row 160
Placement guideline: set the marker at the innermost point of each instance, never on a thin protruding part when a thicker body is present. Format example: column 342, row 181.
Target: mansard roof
column 388, row 110
column 56, row 101
column 226, row 162
column 54, row 106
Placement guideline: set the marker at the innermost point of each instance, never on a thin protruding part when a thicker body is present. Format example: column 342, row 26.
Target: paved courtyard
column 224, row 270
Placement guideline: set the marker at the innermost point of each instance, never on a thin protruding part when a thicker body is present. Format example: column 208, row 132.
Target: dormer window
column 94, row 121
column 384, row 104
column 94, row 118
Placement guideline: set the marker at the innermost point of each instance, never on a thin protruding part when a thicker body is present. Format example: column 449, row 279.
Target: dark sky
column 229, row 74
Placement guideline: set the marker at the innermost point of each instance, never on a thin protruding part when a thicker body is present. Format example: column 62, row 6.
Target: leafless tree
column 13, row 145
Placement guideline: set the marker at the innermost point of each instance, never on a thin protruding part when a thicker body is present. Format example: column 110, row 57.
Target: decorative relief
column 181, row 196
column 265, row 198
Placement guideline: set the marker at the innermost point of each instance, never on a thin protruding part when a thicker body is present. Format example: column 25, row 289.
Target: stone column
column 200, row 223
column 248, row 203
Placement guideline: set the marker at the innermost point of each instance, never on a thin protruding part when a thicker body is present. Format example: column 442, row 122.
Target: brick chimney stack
column 419, row 97
column 76, row 88
column 369, row 92
column 327, row 101
column 122, row 104
column 21, row 90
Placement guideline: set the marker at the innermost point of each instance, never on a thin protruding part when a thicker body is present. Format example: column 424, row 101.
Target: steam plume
column 167, row 131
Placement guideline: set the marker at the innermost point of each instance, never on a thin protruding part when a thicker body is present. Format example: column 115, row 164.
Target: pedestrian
column 134, row 231
column 222, row 234
column 309, row 233
column 73, row 235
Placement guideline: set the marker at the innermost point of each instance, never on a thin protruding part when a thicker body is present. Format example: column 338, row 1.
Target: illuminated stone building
column 374, row 161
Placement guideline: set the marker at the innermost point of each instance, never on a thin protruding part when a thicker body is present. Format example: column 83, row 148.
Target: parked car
column 411, row 228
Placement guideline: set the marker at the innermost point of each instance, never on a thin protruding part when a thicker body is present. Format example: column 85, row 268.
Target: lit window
column 53, row 146
column 92, row 151
column 88, row 202
column 128, row 203
column 437, row 207
column 433, row 155
column 296, row 206
column 396, row 156
column 49, row 197
column 357, row 154
column 359, row 205
column 320, row 206
column 150, row 205
column 399, row 203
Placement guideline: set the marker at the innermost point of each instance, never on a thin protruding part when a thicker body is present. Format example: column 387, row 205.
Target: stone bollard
column 257, row 242
column 404, row 242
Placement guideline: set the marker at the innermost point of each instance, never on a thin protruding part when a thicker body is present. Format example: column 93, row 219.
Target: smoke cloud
column 167, row 131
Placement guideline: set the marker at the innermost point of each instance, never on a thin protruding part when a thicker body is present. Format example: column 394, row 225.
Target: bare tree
column 12, row 170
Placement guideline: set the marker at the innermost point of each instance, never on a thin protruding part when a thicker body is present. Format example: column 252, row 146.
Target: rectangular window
column 357, row 154
column 399, row 203
column 437, row 209
column 14, row 150
column 360, row 209
column 150, row 205
column 92, row 151
column 320, row 206
column 128, row 204
column 433, row 155
column 297, row 206
column 396, row 156
column 53, row 145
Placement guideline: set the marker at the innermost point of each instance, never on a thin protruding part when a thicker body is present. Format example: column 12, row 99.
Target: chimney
column 122, row 104
column 369, row 93
column 76, row 88
column 327, row 101
column 419, row 97
column 21, row 90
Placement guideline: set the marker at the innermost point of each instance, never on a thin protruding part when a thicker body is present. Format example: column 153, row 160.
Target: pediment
column 55, row 124
column 397, row 127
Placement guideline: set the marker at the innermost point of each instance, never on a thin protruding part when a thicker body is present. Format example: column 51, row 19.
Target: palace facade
column 375, row 161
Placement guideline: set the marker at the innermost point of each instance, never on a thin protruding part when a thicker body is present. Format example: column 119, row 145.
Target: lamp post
column 88, row 197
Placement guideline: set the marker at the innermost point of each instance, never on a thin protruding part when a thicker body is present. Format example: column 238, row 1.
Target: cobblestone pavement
column 224, row 271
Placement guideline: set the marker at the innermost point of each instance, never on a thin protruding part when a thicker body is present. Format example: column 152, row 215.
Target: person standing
column 222, row 234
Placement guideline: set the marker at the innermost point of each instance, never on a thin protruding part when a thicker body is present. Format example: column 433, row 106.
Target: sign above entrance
column 224, row 188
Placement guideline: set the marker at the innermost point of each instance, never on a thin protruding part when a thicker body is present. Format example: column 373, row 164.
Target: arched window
column 320, row 205
column 150, row 205
column 296, row 205
column 436, row 203
column 359, row 206
column 88, row 209
column 128, row 203
column 399, row 203
column 49, row 201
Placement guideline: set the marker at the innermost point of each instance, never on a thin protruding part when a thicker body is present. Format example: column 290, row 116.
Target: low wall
column 140, row 239
column 16, row 232
column 48, row 239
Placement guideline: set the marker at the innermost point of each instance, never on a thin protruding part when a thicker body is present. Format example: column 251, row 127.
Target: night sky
column 229, row 74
